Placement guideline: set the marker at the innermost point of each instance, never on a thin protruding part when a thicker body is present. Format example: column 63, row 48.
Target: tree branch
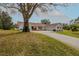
column 34, row 7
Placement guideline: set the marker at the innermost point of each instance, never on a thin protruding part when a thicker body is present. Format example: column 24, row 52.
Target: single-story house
column 41, row 27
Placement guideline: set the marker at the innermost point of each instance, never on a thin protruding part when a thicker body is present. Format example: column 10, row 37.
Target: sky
column 59, row 15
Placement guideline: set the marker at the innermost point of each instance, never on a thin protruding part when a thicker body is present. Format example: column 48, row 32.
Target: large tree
column 27, row 10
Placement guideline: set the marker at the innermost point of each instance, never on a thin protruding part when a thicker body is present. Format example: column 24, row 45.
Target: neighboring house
column 55, row 27
column 76, row 22
column 41, row 27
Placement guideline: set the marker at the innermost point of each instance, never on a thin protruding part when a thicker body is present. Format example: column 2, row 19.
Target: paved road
column 71, row 41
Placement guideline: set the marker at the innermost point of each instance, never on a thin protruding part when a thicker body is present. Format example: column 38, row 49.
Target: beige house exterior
column 55, row 27
column 41, row 27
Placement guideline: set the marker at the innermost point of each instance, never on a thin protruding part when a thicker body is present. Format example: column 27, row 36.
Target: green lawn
column 70, row 33
column 18, row 43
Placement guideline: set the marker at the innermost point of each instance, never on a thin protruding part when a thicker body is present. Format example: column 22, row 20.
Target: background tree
column 5, row 21
column 74, row 27
column 0, row 24
column 74, row 21
column 66, row 27
column 0, row 21
column 27, row 10
column 74, row 24
column 45, row 21
column 77, row 19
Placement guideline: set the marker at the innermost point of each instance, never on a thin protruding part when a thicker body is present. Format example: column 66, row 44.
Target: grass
column 23, row 44
column 70, row 33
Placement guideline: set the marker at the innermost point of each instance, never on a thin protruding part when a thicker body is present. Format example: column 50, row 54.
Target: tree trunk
column 26, row 26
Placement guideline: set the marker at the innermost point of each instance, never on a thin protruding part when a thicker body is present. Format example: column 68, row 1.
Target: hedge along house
column 41, row 27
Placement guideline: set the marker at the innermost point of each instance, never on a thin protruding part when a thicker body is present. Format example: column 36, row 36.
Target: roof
column 33, row 24
column 37, row 24
column 54, row 25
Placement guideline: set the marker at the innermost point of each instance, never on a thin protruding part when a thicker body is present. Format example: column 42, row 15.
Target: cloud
column 57, row 13
column 54, row 14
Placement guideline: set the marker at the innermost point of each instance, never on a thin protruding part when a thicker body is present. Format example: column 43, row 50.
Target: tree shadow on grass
column 4, row 35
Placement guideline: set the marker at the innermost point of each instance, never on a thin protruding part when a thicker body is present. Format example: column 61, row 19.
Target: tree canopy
column 45, row 21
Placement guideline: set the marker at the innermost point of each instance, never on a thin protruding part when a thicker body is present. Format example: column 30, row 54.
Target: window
column 57, row 27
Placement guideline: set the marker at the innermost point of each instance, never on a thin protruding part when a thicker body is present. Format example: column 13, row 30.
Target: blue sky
column 60, row 15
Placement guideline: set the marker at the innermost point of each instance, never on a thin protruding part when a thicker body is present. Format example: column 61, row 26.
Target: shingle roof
column 37, row 24
column 33, row 24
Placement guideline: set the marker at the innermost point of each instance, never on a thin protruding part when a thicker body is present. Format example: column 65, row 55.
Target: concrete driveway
column 71, row 41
